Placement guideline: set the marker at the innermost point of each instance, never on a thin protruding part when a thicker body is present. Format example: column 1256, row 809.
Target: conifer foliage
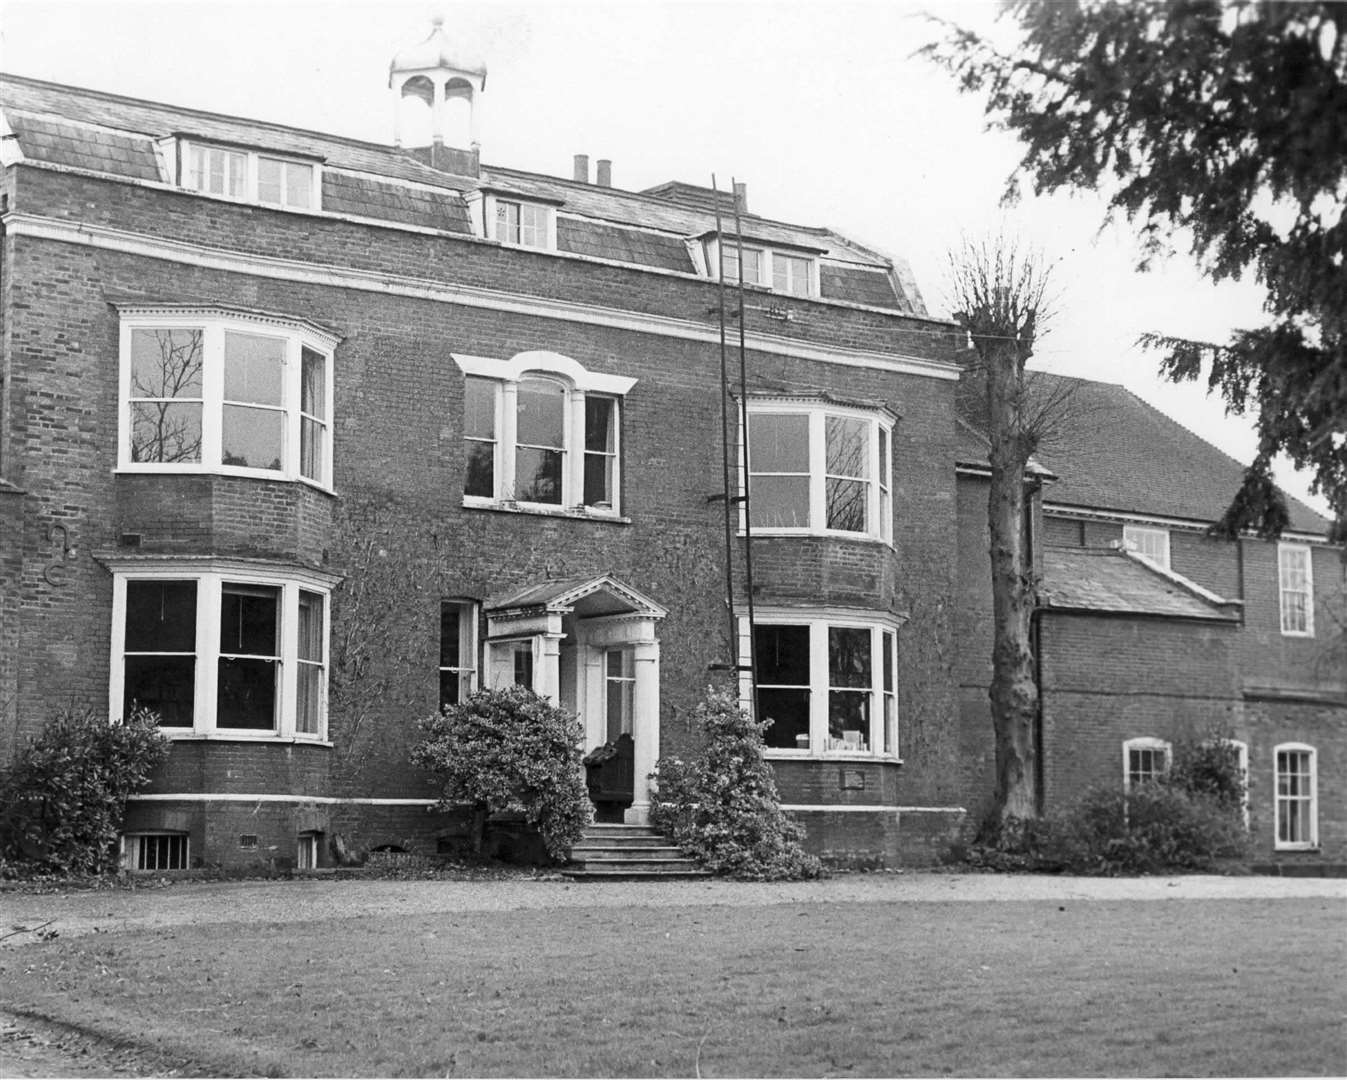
column 723, row 808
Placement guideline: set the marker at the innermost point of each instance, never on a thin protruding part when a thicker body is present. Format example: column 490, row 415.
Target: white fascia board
column 591, row 382
column 1091, row 513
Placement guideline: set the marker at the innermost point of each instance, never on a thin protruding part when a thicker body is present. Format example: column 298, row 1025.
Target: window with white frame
column 458, row 650
column 544, row 437
column 816, row 468
column 826, row 685
column 1295, row 578
column 785, row 272
column 206, row 391
column 522, row 223
column 155, row 851
column 222, row 650
column 1297, row 796
column 1145, row 761
column 251, row 175
column 1149, row 543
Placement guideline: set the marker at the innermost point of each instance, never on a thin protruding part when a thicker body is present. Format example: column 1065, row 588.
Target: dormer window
column 250, row 175
column 521, row 223
column 509, row 217
column 784, row 272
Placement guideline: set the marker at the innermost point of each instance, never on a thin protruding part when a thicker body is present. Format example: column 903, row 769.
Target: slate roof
column 1117, row 452
column 1107, row 580
column 117, row 136
column 1112, row 451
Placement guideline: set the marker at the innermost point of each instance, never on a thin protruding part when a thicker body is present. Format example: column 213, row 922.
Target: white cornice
column 296, row 270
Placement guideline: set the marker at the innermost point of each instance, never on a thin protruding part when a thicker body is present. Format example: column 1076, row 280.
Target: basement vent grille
column 247, row 842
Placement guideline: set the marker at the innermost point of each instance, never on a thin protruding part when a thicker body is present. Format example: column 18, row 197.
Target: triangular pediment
column 587, row 597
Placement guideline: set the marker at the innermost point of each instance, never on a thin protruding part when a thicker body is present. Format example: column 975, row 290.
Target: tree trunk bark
column 1014, row 689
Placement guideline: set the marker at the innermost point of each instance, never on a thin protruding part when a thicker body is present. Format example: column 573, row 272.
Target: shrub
column 509, row 751
column 723, row 807
column 63, row 800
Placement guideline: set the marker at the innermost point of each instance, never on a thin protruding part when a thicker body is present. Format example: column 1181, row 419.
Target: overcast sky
column 818, row 107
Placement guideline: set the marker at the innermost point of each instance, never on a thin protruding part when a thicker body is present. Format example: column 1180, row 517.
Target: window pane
column 248, row 622
column 298, row 185
column 308, row 701
column 538, row 476
column 313, row 383
column 165, row 432
column 165, row 684
column 481, row 478
column 253, row 369
column 312, row 437
column 247, row 694
column 237, row 169
column 752, row 260
column 848, row 446
column 479, row 408
column 165, row 363
column 889, row 642
column 523, row 666
column 849, row 720
column 883, row 457
column 310, row 627
column 778, row 502
column 599, row 433
column 161, row 616
column 507, row 222
column 849, row 656
column 782, row 654
column 268, row 180
column 787, row 715
column 451, row 690
column 542, row 413
column 252, row 438
column 778, row 443
column 450, row 620
column 598, row 479
column 846, row 505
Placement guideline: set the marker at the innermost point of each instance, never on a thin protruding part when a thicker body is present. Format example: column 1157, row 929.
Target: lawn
column 1198, row 987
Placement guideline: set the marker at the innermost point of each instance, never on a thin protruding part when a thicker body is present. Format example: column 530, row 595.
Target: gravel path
column 77, row 913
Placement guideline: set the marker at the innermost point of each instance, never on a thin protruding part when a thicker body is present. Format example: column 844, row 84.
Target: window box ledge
column 831, row 755
column 242, row 737
column 577, row 513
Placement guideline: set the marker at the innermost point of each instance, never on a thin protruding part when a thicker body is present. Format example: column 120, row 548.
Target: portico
column 590, row 646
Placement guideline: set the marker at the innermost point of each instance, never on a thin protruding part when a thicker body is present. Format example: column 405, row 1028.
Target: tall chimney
column 741, row 196
column 604, row 173
column 581, row 168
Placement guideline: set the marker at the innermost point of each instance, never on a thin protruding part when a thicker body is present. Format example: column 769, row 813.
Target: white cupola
column 436, row 74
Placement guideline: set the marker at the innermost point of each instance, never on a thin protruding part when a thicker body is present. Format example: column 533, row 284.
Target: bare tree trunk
column 1014, row 689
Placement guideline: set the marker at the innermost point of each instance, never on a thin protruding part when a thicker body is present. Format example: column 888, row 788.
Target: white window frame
column 214, row 324
column 1284, row 589
column 879, row 485
column 767, row 267
column 467, row 645
column 1148, row 542
column 132, row 850
column 1145, row 742
column 884, row 718
column 1310, row 843
column 576, row 383
column 251, row 174
column 483, row 209
column 210, row 577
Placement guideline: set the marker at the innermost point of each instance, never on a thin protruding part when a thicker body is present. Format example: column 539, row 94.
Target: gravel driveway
column 191, row 903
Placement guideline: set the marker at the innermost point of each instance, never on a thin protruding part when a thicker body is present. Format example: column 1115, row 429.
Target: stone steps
column 628, row 852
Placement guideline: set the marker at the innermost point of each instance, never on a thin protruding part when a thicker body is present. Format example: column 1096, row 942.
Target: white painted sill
column 830, row 755
column 261, row 738
column 574, row 513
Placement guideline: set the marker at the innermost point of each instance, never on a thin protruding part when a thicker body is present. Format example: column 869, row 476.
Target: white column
column 397, row 112
column 547, row 667
column 437, row 112
column 646, row 734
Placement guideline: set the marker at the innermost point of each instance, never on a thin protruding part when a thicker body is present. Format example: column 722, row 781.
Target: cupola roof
column 435, row 53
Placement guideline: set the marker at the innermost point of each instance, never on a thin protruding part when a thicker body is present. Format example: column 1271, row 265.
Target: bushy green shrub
column 1190, row 819
column 63, row 800
column 509, row 751
column 722, row 808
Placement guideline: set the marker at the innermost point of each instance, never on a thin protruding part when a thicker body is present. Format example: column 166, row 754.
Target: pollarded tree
column 998, row 297
column 1223, row 121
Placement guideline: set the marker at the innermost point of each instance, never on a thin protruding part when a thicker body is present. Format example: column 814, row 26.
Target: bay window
column 221, row 649
column 207, row 391
column 817, row 469
column 541, row 438
column 826, row 685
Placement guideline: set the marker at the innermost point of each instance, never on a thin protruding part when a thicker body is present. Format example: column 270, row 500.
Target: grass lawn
column 1221, row 987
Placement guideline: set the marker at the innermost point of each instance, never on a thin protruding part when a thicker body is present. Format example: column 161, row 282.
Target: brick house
column 301, row 437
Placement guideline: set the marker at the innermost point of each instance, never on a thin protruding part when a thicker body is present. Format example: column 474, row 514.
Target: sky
column 820, row 108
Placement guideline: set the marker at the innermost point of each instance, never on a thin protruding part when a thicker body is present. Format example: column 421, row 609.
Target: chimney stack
column 581, row 168
column 741, row 196
column 604, row 174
